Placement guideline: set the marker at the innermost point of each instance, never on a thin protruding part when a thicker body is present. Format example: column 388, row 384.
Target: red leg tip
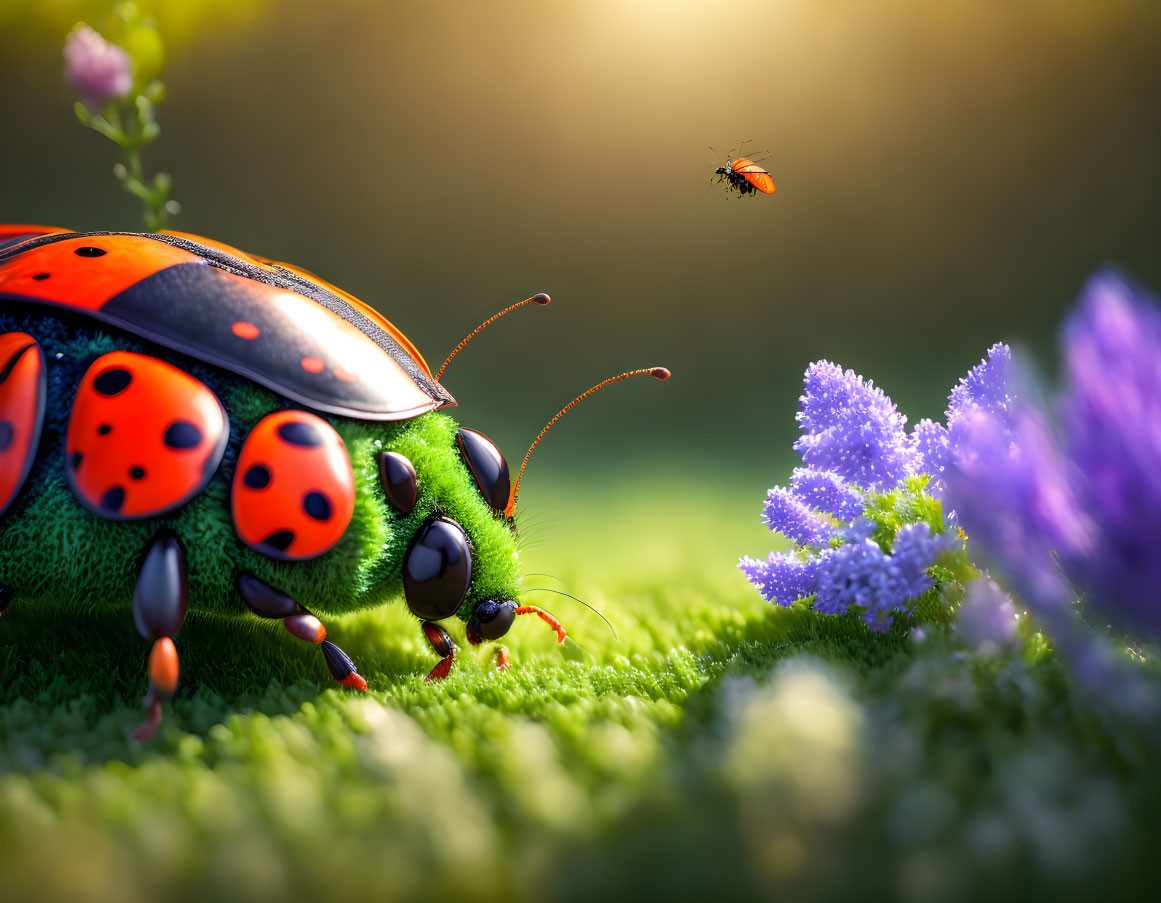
column 440, row 671
column 503, row 661
column 354, row 681
column 144, row 732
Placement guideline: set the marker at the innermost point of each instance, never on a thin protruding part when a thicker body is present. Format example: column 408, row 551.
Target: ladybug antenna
column 655, row 372
column 539, row 298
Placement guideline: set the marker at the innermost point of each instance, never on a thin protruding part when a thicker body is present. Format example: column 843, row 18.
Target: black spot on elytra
column 76, row 460
column 257, row 477
column 40, row 277
column 7, row 431
column 183, row 434
column 113, row 499
column 91, row 252
column 137, row 473
column 104, row 429
column 113, row 382
column 280, row 540
column 317, row 505
column 298, row 433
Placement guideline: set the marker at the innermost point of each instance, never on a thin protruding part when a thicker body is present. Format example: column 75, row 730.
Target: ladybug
column 183, row 423
column 744, row 176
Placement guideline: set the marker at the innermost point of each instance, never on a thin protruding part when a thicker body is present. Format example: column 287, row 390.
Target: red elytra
column 754, row 174
column 293, row 492
column 22, row 398
column 276, row 324
column 143, row 438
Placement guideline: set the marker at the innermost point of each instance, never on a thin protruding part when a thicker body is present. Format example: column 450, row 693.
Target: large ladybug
column 185, row 423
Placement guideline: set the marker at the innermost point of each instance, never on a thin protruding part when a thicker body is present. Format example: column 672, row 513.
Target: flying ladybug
column 743, row 175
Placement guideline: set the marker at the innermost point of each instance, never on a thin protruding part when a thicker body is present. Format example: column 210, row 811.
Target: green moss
column 719, row 747
column 59, row 556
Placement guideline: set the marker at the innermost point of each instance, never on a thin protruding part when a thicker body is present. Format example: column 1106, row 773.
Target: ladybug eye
column 487, row 466
column 491, row 620
column 437, row 570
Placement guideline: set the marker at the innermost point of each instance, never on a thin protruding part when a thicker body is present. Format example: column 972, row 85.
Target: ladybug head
column 490, row 620
column 437, row 569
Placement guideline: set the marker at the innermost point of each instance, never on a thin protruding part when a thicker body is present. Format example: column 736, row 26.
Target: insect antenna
column 545, row 589
column 655, row 372
column 539, row 298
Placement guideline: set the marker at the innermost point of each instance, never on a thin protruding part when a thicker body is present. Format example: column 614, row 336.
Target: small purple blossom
column 860, row 573
column 782, row 579
column 827, row 491
column 934, row 448
column 986, row 388
column 785, row 513
column 850, row 427
column 100, row 71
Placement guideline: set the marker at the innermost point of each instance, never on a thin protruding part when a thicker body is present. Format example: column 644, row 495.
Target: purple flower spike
column 934, row 449
column 786, row 514
column 100, row 71
column 850, row 427
column 985, row 388
column 782, row 579
column 827, row 491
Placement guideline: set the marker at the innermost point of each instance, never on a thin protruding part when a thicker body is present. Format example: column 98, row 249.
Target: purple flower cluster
column 1070, row 505
column 855, row 444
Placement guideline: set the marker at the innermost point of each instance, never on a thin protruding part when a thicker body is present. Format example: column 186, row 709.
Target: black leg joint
column 161, row 596
column 264, row 600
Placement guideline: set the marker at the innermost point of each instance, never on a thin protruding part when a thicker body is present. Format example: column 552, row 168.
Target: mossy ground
column 718, row 747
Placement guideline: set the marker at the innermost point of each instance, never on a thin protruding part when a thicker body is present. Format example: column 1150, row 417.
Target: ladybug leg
column 160, row 600
column 267, row 602
column 7, row 594
column 443, row 646
column 503, row 659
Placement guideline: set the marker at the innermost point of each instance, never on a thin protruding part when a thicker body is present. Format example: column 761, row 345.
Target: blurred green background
column 948, row 174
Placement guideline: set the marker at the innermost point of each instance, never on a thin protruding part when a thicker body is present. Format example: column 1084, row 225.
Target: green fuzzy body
column 56, row 553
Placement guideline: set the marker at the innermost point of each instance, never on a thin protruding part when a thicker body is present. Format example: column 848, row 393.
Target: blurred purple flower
column 850, row 427
column 1077, row 511
column 100, row 71
column 987, row 617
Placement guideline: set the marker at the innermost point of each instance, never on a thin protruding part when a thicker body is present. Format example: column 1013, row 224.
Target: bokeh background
column 948, row 174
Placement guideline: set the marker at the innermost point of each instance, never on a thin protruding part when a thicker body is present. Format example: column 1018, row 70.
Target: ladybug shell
column 143, row 437
column 22, row 394
column 294, row 491
column 277, row 325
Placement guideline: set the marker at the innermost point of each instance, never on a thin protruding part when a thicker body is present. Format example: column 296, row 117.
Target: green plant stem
column 133, row 132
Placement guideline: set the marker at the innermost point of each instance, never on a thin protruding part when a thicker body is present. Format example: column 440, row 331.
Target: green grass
column 718, row 746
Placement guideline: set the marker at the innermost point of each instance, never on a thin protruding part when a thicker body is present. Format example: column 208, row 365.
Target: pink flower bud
column 99, row 70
